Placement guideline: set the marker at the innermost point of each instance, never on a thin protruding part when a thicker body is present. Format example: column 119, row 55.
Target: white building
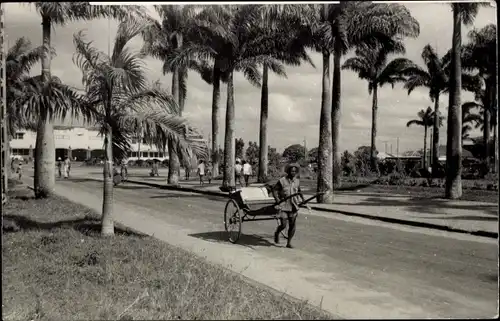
column 85, row 143
column 80, row 142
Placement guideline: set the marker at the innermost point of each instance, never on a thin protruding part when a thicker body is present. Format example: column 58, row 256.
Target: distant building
column 80, row 142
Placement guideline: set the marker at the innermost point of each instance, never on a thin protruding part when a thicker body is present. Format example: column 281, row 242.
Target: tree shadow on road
column 428, row 206
column 464, row 218
column 185, row 195
column 86, row 225
column 245, row 240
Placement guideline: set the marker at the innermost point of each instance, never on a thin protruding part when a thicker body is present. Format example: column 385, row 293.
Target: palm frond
column 414, row 122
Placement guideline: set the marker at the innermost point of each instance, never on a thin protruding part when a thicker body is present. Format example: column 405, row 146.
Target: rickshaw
column 254, row 203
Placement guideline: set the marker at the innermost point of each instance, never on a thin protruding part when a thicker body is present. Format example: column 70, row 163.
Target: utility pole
column 385, row 146
column 390, row 148
column 3, row 86
column 305, row 148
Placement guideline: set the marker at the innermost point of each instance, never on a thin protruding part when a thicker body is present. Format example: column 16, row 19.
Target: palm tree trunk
column 229, row 142
column 424, row 165
column 435, row 138
column 487, row 122
column 173, row 158
column 336, row 115
column 107, row 223
column 373, row 153
column 495, row 141
column 430, row 149
column 45, row 151
column 325, row 158
column 454, row 137
column 264, row 114
column 215, row 122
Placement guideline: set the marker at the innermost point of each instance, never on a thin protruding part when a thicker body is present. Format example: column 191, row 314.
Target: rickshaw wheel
column 232, row 220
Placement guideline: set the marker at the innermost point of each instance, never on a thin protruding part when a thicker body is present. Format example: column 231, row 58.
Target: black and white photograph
column 249, row 160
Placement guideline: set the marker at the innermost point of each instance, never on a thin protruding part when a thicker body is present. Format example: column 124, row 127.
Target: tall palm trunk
column 430, row 149
column 336, row 114
column 229, row 142
column 215, row 122
column 45, row 151
column 454, row 137
column 173, row 158
column 373, row 154
column 487, row 121
column 107, row 223
column 495, row 141
column 435, row 138
column 5, row 137
column 424, row 162
column 325, row 158
column 264, row 115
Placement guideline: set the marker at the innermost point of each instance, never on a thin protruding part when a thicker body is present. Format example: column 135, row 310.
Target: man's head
column 292, row 170
column 243, row 162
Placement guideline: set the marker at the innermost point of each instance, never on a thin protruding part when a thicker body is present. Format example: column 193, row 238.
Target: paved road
column 430, row 274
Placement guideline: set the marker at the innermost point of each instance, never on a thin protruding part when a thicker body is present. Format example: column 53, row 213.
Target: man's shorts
column 287, row 214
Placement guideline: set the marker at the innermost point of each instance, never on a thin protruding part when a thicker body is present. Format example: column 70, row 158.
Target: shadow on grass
column 87, row 226
column 245, row 240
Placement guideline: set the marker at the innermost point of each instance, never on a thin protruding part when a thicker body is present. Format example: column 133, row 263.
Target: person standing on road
column 247, row 171
column 66, row 167
column 238, row 172
column 59, row 166
column 285, row 187
column 201, row 171
column 209, row 172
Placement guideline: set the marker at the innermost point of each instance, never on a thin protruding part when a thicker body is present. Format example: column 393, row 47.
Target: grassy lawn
column 56, row 267
column 469, row 194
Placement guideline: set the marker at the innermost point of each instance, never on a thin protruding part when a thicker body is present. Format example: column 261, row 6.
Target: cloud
column 295, row 101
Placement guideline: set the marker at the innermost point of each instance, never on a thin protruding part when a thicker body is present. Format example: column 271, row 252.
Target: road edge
column 479, row 233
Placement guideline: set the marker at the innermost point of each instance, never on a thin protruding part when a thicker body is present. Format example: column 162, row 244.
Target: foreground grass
column 56, row 267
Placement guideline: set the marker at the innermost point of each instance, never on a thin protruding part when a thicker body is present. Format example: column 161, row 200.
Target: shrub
column 397, row 179
column 425, row 183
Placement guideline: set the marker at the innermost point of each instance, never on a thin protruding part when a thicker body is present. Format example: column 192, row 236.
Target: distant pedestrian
column 238, row 172
column 20, row 169
column 247, row 171
column 201, row 171
column 209, row 172
column 66, row 167
column 59, row 166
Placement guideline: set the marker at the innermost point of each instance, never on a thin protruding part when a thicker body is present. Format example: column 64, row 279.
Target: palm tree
column 371, row 64
column 435, row 78
column 283, row 25
column 161, row 41
column 228, row 37
column 480, row 55
column 158, row 45
column 337, row 28
column 470, row 120
column 20, row 59
column 463, row 13
column 425, row 119
column 60, row 13
column 122, row 102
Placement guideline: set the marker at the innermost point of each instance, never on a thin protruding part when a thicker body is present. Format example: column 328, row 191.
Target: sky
column 294, row 102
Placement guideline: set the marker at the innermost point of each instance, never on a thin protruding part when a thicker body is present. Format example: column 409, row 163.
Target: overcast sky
column 294, row 102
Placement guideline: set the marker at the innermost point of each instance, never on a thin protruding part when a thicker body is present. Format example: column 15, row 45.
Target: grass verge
column 57, row 267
